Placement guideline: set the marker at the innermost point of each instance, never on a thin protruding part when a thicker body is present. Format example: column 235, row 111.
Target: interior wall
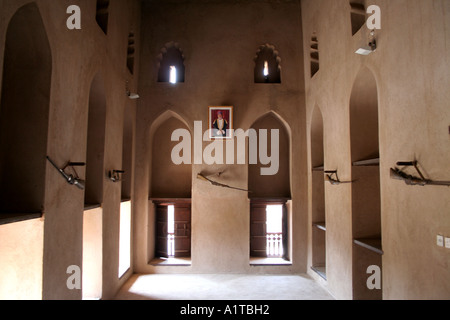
column 76, row 57
column 24, row 108
column 278, row 185
column 219, row 42
column 411, row 74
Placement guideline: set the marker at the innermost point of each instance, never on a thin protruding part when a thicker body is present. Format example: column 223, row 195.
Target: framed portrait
column 220, row 123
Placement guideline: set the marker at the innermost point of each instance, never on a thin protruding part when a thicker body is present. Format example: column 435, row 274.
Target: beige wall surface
column 411, row 69
column 219, row 42
column 77, row 56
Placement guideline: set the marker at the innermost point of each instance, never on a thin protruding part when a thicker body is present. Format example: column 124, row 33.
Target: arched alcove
column 267, row 65
column 171, row 56
column 318, row 194
column 127, row 154
column 271, row 186
column 24, row 110
column 95, row 143
column 168, row 180
column 366, row 207
column 270, row 190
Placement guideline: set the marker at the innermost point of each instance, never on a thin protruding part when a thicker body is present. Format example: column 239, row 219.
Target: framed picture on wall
column 220, row 123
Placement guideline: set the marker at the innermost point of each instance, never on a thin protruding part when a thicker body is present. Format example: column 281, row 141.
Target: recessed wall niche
column 267, row 65
column 366, row 206
column 168, row 180
column 271, row 186
column 318, row 195
column 171, row 62
column 24, row 111
column 95, row 143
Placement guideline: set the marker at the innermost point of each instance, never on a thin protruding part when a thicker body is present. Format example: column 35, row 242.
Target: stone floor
column 222, row 287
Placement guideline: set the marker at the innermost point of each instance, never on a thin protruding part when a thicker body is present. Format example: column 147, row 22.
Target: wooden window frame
column 258, row 228
column 183, row 227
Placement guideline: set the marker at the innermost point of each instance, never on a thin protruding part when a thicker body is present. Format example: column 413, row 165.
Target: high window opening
column 267, row 65
column 173, row 75
column 266, row 69
column 171, row 64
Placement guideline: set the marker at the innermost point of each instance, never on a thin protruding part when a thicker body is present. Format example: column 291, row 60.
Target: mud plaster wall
column 219, row 42
column 412, row 75
column 56, row 241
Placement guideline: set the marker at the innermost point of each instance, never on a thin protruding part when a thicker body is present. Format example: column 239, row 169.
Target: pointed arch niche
column 267, row 65
column 271, row 186
column 168, row 180
column 171, row 56
column 318, row 194
column 169, row 233
column 366, row 208
column 24, row 110
column 268, row 191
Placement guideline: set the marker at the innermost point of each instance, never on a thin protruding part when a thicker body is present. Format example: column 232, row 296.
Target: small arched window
column 171, row 66
column 267, row 65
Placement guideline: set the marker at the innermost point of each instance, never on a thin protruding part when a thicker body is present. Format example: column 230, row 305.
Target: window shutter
column 258, row 230
column 161, row 232
column 182, row 219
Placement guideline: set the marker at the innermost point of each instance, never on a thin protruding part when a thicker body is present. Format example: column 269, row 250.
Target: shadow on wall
column 24, row 113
